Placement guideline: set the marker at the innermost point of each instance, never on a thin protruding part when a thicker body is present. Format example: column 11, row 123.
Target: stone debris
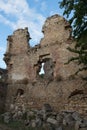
column 26, row 90
column 58, row 85
column 7, row 117
column 64, row 120
column 52, row 121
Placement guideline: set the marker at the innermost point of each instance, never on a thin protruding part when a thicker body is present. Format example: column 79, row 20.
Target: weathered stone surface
column 59, row 118
column 68, row 119
column 57, row 87
column 47, row 108
column 83, row 129
column 76, row 116
column 77, row 124
column 52, row 121
column 33, row 123
column 84, row 123
column 38, row 122
column 7, row 117
column 3, row 89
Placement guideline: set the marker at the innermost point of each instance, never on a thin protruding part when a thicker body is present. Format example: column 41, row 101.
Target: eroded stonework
column 3, row 89
column 57, row 86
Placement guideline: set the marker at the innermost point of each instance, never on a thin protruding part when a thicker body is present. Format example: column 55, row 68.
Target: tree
column 76, row 11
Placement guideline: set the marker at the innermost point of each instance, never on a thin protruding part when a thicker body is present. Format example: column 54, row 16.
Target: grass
column 17, row 125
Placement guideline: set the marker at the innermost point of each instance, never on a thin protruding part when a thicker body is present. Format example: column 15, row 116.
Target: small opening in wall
column 11, row 65
column 42, row 72
column 20, row 92
column 45, row 68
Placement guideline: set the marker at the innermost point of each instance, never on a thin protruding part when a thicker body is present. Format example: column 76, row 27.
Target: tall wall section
column 16, row 55
column 26, row 86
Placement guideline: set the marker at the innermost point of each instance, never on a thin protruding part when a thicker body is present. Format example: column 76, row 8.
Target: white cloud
column 6, row 21
column 24, row 15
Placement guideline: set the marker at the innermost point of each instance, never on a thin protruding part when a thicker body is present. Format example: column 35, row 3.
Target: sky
column 15, row 14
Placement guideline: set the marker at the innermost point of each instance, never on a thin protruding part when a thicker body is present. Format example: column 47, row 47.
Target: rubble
column 34, row 118
column 27, row 87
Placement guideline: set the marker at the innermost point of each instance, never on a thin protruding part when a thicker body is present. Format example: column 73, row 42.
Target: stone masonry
column 57, row 86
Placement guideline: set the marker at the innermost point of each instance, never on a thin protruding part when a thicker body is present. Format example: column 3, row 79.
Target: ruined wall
column 3, row 89
column 16, row 56
column 25, row 84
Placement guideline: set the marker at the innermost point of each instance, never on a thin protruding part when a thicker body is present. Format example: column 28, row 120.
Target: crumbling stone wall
column 16, row 56
column 3, row 89
column 24, row 64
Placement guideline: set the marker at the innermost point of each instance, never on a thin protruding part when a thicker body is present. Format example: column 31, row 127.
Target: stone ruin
column 58, row 86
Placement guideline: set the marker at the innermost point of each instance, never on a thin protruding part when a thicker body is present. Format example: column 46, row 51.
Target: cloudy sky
column 16, row 14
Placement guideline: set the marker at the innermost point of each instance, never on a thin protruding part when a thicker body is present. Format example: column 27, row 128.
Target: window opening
column 20, row 92
column 41, row 72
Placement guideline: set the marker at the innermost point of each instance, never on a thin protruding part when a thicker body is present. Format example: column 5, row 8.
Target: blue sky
column 16, row 14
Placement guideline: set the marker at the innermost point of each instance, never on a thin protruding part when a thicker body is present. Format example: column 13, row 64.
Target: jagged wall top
column 56, row 28
column 18, row 42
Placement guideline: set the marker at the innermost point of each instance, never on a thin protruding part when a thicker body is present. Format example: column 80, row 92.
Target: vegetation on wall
column 76, row 11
